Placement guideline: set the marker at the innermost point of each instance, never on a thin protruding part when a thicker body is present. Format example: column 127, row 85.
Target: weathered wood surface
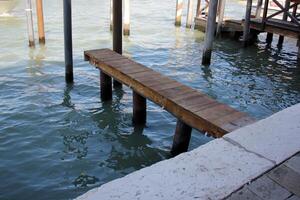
column 188, row 105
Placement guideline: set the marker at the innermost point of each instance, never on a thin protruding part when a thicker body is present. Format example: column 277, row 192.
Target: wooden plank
column 188, row 105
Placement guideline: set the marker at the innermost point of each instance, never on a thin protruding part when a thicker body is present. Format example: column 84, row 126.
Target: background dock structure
column 283, row 21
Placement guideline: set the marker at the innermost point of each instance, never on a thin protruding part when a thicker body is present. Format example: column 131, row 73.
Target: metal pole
column 40, row 19
column 210, row 31
column 117, row 32
column 68, row 41
column 30, row 23
column 221, row 15
column 127, row 18
column 178, row 14
column 247, row 23
column 189, row 14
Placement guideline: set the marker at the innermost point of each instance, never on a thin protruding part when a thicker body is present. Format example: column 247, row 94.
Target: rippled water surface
column 58, row 141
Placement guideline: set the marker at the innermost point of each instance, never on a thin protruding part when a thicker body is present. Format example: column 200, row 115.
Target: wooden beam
column 40, row 19
column 284, row 18
column 181, row 138
column 105, row 87
column 139, row 109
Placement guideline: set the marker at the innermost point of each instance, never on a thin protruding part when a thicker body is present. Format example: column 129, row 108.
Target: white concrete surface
column 214, row 170
column 275, row 138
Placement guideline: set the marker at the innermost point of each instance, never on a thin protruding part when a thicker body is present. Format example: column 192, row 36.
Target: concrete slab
column 243, row 194
column 294, row 163
column 212, row 171
column 275, row 138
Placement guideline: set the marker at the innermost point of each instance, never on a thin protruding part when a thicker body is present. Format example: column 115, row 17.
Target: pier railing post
column 246, row 27
column 117, row 32
column 210, row 32
column 181, row 138
column 40, row 19
column 30, row 23
column 178, row 13
column 105, row 87
column 126, row 30
column 221, row 9
column 189, row 18
column 139, row 109
column 68, row 40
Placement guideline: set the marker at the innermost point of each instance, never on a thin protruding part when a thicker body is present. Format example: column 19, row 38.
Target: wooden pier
column 192, row 108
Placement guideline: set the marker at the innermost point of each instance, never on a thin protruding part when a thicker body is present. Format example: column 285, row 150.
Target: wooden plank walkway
column 282, row 182
column 188, row 105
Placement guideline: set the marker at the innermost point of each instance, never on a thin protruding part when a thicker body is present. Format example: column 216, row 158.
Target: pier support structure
column 126, row 30
column 258, row 8
column 178, row 14
column 181, row 138
column 246, row 31
column 198, row 11
column 111, row 16
column 269, row 38
column 189, row 18
column 67, row 7
column 105, row 87
column 285, row 16
column 30, row 23
column 210, row 32
column 139, row 109
column 40, row 19
column 298, row 55
column 117, row 32
column 221, row 11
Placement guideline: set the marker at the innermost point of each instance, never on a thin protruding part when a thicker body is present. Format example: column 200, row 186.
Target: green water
column 58, row 141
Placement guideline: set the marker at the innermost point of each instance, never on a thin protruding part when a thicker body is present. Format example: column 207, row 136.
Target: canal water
column 57, row 141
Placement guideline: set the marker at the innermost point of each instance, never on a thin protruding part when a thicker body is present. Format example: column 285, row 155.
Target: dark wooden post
column 181, row 138
column 68, row 41
column 247, row 23
column 106, row 87
column 258, row 8
column 40, row 19
column 117, row 32
column 285, row 16
column 298, row 55
column 210, row 32
column 269, row 38
column 139, row 109
column 178, row 14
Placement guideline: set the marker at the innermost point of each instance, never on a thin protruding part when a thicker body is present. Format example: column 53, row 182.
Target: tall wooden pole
column 246, row 31
column 139, row 109
column 178, row 14
column 258, row 8
column 126, row 30
column 189, row 18
column 40, row 19
column 285, row 16
column 198, row 13
column 111, row 16
column 181, row 138
column 117, row 32
column 30, row 23
column 68, row 41
column 221, row 15
column 210, row 31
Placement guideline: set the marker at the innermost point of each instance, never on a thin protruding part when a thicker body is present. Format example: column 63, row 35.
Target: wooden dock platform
column 190, row 106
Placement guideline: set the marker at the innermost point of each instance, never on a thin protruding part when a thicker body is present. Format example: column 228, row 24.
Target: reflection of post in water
column 207, row 74
column 67, row 97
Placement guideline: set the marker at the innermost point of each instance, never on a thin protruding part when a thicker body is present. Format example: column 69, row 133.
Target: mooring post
column 246, row 31
column 298, row 55
column 139, row 109
column 210, row 32
column 40, row 19
column 258, row 8
column 117, row 32
column 111, row 16
column 67, row 7
column 126, row 30
column 198, row 12
column 189, row 18
column 181, row 138
column 269, row 38
column 30, row 23
column 284, row 18
column 221, row 12
column 105, row 87
column 178, row 14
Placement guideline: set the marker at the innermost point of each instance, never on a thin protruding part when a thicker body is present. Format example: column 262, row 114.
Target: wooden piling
column 181, row 138
column 285, row 16
column 221, row 12
column 198, row 12
column 111, row 16
column 105, row 87
column 298, row 55
column 178, row 14
column 258, row 8
column 139, row 109
column 189, row 18
column 210, row 32
column 30, row 23
column 40, row 19
column 117, row 32
column 67, row 7
column 269, row 38
column 246, row 31
column 126, row 30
